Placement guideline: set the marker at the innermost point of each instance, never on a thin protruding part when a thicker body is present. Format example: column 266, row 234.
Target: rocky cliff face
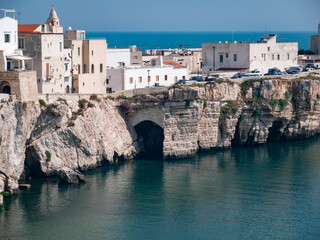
column 41, row 140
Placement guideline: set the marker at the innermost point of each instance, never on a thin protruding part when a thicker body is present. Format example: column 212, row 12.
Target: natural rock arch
column 150, row 138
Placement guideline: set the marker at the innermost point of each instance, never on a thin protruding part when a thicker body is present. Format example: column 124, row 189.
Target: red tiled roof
column 172, row 63
column 27, row 28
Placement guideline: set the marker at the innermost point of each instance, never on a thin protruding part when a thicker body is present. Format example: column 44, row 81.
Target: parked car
column 254, row 73
column 239, row 75
column 197, row 78
column 185, row 81
column 210, row 78
column 274, row 71
column 293, row 70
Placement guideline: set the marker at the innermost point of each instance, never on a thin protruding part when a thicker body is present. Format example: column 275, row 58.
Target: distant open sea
column 153, row 40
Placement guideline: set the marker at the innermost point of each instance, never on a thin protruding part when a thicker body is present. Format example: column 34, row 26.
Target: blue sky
column 174, row 15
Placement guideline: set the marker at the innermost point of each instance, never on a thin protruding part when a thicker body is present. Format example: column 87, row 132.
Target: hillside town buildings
column 88, row 62
column 243, row 56
column 14, row 79
column 123, row 57
column 191, row 58
column 159, row 73
column 64, row 64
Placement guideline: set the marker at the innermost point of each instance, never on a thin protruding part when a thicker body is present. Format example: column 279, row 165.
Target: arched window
column 101, row 68
column 92, row 68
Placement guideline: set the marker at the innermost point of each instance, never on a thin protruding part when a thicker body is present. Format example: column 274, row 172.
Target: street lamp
column 198, row 69
column 148, row 77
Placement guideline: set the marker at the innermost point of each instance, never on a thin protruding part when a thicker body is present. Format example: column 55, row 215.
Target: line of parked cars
column 196, row 79
column 275, row 71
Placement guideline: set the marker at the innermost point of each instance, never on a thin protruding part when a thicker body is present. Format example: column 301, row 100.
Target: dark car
column 293, row 70
column 273, row 71
column 239, row 75
column 197, row 78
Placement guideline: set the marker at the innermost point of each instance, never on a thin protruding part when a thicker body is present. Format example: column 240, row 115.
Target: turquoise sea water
column 153, row 40
column 264, row 192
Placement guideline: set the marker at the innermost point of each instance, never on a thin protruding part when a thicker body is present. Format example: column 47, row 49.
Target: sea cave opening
column 150, row 138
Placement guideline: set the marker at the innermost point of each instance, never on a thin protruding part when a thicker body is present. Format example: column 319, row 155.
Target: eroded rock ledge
column 39, row 140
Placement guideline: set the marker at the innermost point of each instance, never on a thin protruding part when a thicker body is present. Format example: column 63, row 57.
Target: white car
column 254, row 73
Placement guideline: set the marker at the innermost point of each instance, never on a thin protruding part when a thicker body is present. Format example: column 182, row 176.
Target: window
column 92, row 53
column 131, row 80
column 21, row 43
column 78, row 51
column 221, row 58
column 157, row 78
column 47, row 70
column 92, row 68
column 149, row 79
column 263, row 55
column 84, row 68
column 288, row 56
column 79, row 69
column 269, row 49
column 278, row 57
column 7, row 37
column 183, row 77
column 227, row 55
column 165, row 77
column 235, row 57
column 66, row 79
column 66, row 67
column 60, row 46
column 135, row 57
column 272, row 57
column 140, row 79
column 101, row 68
column 175, row 79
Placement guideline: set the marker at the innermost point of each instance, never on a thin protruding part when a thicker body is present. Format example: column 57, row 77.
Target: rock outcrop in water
column 39, row 141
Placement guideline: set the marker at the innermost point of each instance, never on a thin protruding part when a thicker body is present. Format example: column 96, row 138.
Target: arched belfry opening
column 150, row 138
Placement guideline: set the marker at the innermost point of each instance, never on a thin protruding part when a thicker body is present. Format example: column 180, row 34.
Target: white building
column 10, row 57
column 190, row 58
column 162, row 73
column 264, row 54
column 123, row 57
column 315, row 42
column 118, row 57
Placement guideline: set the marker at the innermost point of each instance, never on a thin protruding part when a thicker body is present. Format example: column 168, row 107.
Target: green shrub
column 199, row 100
column 273, row 103
column 308, row 100
column 318, row 96
column 282, row 104
column 288, row 94
column 48, row 155
column 62, row 100
column 110, row 98
column 5, row 194
column 82, row 103
column 42, row 103
column 94, row 97
column 256, row 113
column 205, row 104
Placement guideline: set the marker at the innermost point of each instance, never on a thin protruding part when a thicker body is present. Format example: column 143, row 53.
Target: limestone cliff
column 39, row 140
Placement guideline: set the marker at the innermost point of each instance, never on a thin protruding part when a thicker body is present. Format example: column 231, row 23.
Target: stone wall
column 23, row 84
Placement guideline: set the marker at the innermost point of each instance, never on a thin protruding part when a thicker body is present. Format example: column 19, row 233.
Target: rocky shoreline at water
column 64, row 137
